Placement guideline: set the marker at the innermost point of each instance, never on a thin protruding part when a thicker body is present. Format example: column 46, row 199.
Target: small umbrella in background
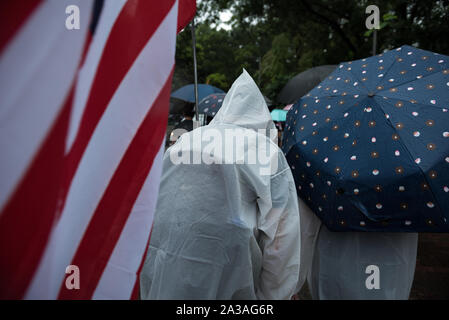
column 180, row 106
column 369, row 146
column 279, row 115
column 211, row 104
column 303, row 82
column 187, row 93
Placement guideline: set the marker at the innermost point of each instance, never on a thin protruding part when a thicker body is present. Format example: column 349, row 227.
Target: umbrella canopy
column 303, row 82
column 211, row 104
column 278, row 115
column 369, row 146
column 187, row 93
column 179, row 106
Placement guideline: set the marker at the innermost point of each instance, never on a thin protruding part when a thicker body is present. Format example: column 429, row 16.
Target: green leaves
column 218, row 80
column 276, row 39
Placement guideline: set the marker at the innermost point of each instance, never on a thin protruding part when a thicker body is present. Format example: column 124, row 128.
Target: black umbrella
column 303, row 82
column 180, row 107
column 187, row 92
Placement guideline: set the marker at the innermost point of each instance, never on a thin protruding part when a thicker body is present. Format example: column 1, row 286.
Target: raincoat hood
column 245, row 106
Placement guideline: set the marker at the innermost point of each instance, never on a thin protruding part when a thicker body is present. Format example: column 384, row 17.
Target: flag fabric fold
column 82, row 123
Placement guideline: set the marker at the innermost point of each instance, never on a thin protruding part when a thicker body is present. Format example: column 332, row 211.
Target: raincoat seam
column 279, row 173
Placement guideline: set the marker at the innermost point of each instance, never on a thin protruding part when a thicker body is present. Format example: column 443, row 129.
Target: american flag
column 83, row 115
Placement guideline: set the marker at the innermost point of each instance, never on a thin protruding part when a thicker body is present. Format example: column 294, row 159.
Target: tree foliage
column 276, row 39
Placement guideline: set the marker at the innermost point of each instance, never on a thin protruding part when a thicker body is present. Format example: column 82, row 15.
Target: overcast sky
column 225, row 16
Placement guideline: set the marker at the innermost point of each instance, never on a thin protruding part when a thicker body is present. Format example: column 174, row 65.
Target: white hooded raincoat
column 225, row 231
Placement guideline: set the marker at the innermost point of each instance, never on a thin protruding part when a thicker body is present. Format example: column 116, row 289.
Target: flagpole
column 195, row 68
column 374, row 41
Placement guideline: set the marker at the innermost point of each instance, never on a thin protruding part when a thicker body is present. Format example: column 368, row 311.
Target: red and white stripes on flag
column 82, row 129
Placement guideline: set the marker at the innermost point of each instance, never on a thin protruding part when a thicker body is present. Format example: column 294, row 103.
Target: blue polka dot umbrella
column 211, row 104
column 369, row 146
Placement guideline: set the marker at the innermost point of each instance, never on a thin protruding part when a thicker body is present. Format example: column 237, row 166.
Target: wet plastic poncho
column 225, row 231
column 356, row 265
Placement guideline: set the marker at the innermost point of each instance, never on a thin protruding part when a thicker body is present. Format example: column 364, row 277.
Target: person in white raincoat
column 225, row 227
column 355, row 265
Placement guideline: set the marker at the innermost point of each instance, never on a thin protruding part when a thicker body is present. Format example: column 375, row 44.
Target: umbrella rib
column 411, row 80
column 358, row 80
column 322, row 166
column 386, row 73
column 400, row 140
column 383, row 78
column 417, row 103
column 316, row 97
